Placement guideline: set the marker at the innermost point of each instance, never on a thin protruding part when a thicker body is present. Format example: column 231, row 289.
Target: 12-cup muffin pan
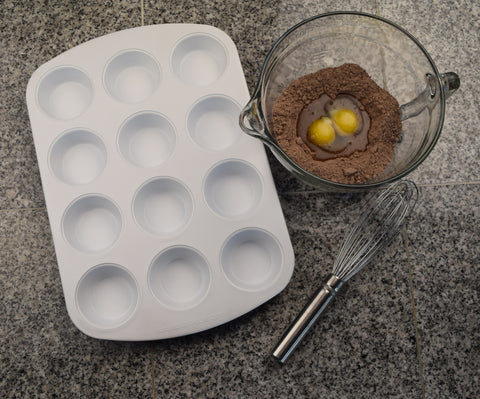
column 164, row 215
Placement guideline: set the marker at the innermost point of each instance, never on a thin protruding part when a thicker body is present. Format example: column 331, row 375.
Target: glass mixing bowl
column 392, row 57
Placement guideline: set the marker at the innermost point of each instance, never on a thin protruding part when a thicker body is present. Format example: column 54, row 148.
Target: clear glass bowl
column 392, row 57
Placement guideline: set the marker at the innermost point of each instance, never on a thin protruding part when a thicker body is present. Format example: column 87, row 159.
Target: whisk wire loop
column 377, row 226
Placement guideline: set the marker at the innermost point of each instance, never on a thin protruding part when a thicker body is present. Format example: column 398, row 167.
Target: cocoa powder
column 382, row 108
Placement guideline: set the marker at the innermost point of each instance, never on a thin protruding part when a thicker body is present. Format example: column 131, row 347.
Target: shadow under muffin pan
column 164, row 215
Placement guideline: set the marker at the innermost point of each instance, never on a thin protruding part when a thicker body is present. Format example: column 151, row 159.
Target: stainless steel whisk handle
column 306, row 318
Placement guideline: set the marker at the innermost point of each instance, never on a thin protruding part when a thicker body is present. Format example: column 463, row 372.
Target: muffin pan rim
column 236, row 92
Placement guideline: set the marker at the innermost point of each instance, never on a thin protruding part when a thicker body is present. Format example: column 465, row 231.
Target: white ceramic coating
column 164, row 215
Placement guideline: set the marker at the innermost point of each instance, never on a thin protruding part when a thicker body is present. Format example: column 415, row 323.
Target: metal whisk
column 378, row 225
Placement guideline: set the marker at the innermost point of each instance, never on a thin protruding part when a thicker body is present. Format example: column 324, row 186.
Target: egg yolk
column 321, row 132
column 346, row 120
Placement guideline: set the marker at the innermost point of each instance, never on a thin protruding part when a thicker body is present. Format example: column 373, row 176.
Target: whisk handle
column 307, row 317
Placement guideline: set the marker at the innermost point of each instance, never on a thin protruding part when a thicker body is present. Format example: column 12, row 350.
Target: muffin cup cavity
column 213, row 123
column 78, row 157
column 65, row 93
column 199, row 60
column 92, row 224
column 107, row 296
column 132, row 76
column 251, row 259
column 233, row 188
column 179, row 277
column 147, row 139
column 163, row 206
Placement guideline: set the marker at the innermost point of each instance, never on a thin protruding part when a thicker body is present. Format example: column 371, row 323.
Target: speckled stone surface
column 445, row 250
column 406, row 327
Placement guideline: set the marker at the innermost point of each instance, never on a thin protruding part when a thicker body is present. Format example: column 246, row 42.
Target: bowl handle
column 451, row 82
column 428, row 98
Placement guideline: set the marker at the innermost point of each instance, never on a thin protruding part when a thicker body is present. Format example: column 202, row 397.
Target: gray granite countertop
column 408, row 326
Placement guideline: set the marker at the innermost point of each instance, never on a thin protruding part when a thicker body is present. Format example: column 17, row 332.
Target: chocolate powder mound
column 381, row 106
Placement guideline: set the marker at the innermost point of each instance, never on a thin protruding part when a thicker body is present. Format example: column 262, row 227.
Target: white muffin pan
column 164, row 215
